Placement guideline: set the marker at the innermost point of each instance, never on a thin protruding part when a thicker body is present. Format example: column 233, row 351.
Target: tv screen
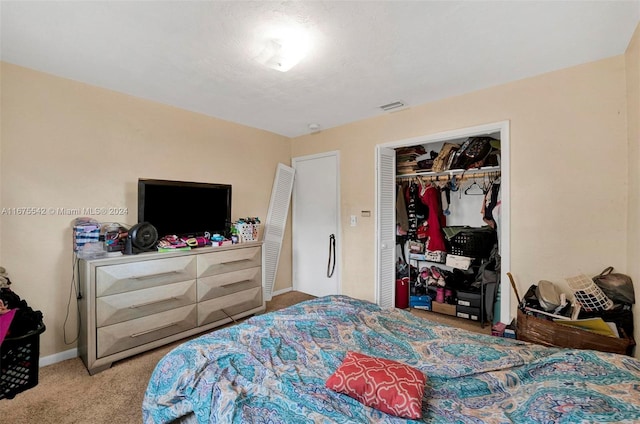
column 184, row 208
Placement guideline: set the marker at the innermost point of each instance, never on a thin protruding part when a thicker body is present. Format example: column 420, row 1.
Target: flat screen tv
column 184, row 208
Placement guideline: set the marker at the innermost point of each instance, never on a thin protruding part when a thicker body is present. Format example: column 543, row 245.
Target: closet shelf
column 446, row 175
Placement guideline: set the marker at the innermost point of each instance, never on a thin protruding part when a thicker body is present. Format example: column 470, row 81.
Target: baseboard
column 283, row 291
column 57, row 357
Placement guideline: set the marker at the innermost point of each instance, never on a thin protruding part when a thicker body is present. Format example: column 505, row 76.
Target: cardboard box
column 444, row 308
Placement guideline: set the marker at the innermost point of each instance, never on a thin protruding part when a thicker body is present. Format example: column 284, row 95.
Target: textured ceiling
column 200, row 56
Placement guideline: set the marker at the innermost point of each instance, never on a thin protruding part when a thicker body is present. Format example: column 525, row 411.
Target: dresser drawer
column 229, row 260
column 139, row 303
column 222, row 307
column 112, row 279
column 229, row 283
column 126, row 335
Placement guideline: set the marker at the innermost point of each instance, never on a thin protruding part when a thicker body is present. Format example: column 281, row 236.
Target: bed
column 273, row 368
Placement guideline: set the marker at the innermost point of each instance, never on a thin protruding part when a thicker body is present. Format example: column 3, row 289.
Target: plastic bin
column 469, row 299
column 468, row 312
column 420, row 302
column 19, row 357
column 473, row 242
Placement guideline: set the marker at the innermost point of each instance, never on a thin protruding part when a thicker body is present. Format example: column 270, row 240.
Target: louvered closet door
column 386, row 243
column 275, row 225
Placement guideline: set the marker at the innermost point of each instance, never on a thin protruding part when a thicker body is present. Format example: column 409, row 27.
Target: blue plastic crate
column 420, row 302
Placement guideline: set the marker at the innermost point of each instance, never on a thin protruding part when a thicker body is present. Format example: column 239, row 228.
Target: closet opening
column 443, row 224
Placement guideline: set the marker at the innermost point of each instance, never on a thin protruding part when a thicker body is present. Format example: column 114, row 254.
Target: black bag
column 472, row 153
column 488, row 275
column 25, row 318
column 617, row 287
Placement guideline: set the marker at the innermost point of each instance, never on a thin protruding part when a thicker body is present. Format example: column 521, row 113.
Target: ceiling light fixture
column 284, row 50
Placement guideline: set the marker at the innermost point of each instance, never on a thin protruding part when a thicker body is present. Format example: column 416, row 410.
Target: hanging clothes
column 402, row 217
column 490, row 201
column 435, row 219
column 412, row 199
column 497, row 215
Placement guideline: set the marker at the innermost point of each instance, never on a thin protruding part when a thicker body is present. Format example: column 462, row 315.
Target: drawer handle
column 142, row 333
column 232, row 262
column 235, row 282
column 140, row 305
column 161, row 274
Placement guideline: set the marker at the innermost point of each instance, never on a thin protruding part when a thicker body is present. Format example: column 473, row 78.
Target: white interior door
column 386, row 227
column 316, row 217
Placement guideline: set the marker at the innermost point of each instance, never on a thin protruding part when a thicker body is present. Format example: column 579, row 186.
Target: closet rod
column 447, row 177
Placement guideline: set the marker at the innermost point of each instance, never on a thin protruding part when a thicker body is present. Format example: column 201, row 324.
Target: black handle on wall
column 331, row 264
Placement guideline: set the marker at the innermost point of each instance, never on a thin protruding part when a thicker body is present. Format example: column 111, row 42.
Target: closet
column 448, row 224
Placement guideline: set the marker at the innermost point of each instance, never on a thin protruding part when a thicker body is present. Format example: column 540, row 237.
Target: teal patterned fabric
column 272, row 369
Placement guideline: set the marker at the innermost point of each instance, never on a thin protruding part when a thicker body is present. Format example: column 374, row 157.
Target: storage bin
column 248, row 231
column 420, row 302
column 472, row 242
column 437, row 256
column 86, row 232
column 19, row 362
column 468, row 312
column 469, row 299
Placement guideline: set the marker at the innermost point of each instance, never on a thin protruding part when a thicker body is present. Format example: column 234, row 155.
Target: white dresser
column 131, row 304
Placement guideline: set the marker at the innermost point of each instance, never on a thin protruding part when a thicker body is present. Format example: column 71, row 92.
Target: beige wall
column 66, row 144
column 568, row 170
column 632, row 58
column 71, row 145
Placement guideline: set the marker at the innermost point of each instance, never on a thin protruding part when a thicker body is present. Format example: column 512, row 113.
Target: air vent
column 392, row 106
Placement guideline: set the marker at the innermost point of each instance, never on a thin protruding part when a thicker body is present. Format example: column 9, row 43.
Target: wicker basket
column 548, row 333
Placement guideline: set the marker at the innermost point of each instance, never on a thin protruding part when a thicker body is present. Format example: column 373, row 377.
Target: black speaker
column 142, row 238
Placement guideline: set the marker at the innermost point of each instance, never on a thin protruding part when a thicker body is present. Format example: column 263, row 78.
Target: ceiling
column 201, row 55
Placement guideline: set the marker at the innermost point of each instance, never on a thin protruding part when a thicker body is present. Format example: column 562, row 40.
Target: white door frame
column 338, row 252
column 505, row 192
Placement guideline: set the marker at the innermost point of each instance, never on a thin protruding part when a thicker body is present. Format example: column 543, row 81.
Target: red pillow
column 389, row 386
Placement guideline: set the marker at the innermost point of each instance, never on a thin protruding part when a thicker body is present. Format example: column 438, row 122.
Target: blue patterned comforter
column 272, row 368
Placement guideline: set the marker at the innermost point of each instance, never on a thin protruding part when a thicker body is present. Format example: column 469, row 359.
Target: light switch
column 354, row 220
